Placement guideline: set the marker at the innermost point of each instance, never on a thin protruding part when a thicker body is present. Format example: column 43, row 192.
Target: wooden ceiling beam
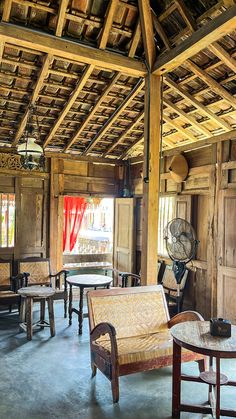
column 137, row 89
column 105, row 32
column 92, row 112
column 78, row 157
column 147, row 32
column 197, row 104
column 187, row 117
column 202, row 38
column 61, row 17
column 135, row 39
column 71, row 51
column 211, row 82
column 202, row 143
column 130, row 128
column 7, row 10
column 74, row 95
column 223, row 55
column 38, row 86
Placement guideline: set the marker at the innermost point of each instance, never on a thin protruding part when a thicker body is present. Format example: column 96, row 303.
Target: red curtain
column 74, row 208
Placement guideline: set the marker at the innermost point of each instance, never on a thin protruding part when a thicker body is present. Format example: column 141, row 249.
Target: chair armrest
column 103, row 329
column 17, row 282
column 56, row 282
column 184, row 317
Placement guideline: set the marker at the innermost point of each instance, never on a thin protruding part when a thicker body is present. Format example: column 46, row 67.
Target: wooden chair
column 9, row 286
column 129, row 279
column 129, row 332
column 170, row 289
column 36, row 271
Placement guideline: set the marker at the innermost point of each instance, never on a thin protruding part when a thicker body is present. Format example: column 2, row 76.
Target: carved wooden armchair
column 129, row 332
column 129, row 279
column 9, row 286
column 36, row 271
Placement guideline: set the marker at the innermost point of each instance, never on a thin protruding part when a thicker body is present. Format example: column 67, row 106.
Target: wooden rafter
column 197, row 104
column 135, row 39
column 92, row 112
column 211, row 82
column 202, row 38
column 183, row 131
column 160, row 31
column 223, row 55
column 138, row 87
column 72, row 51
column 187, row 117
column 61, row 16
column 74, row 95
column 7, row 10
column 107, row 24
column 147, row 32
column 38, row 86
column 135, row 144
column 128, row 130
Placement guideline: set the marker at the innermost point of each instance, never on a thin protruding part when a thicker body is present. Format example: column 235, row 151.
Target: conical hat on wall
column 178, row 168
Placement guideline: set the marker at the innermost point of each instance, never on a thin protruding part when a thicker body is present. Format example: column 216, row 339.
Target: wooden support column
column 151, row 173
column 56, row 215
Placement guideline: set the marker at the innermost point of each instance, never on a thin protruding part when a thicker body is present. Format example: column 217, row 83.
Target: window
column 166, row 213
column 7, row 224
column 95, row 235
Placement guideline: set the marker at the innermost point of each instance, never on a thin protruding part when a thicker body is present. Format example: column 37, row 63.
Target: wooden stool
column 37, row 294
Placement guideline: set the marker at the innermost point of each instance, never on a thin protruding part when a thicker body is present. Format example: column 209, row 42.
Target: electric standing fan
column 181, row 245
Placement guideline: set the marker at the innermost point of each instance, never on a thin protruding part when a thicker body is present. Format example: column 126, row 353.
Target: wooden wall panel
column 74, row 167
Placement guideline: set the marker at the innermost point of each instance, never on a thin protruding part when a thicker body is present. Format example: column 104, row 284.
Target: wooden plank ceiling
column 81, row 63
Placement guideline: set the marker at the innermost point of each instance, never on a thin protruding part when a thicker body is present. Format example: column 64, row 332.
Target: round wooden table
column 196, row 337
column 84, row 281
column 38, row 294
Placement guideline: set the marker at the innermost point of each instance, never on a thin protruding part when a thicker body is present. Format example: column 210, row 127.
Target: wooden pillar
column 56, row 216
column 152, row 131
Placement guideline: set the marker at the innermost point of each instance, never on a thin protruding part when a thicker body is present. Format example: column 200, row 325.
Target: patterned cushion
column 142, row 348
column 39, row 272
column 5, row 273
column 131, row 314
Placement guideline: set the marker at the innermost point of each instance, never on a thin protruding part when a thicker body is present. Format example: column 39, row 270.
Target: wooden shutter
column 226, row 286
column 124, row 255
column 184, row 207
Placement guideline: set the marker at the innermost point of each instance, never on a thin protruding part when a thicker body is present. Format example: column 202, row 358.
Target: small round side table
column 37, row 294
column 196, row 337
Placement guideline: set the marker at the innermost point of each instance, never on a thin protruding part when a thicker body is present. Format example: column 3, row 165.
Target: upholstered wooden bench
column 129, row 332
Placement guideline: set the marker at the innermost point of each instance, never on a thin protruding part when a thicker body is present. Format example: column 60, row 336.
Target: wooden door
column 226, row 283
column 124, row 255
column 31, row 217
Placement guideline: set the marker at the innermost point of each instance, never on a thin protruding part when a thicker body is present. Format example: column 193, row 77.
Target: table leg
column 210, row 385
column 22, row 310
column 70, row 305
column 80, row 317
column 29, row 315
column 51, row 316
column 176, row 381
column 217, row 388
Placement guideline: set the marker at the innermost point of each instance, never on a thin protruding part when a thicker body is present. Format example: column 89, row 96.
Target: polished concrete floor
column 51, row 378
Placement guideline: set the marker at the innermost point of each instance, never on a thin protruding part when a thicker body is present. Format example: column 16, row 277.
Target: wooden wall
column 39, row 202
column 209, row 202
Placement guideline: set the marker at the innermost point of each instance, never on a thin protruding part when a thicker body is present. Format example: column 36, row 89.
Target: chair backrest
column 5, row 274
column 132, row 311
column 39, row 270
column 169, row 282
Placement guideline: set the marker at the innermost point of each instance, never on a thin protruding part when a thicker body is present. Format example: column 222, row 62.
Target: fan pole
column 178, row 298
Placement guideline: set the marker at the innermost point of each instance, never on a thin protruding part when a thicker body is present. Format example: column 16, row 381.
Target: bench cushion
column 131, row 313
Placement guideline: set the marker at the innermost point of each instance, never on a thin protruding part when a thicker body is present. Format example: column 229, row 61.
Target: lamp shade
column 30, row 148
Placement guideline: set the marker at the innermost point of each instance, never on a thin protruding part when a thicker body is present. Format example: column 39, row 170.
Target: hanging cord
column 146, row 172
column 161, row 134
